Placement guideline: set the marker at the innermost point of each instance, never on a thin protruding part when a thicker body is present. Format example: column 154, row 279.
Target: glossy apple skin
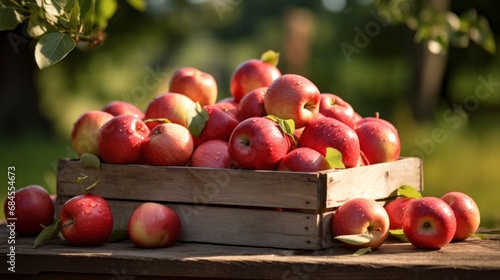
column 378, row 141
column 228, row 105
column 395, row 210
column 466, row 213
column 294, row 97
column 86, row 220
column 32, row 207
column 322, row 133
column 85, row 129
column 212, row 154
column 197, row 85
column 168, row 144
column 429, row 223
column 304, row 160
column 172, row 106
column 251, row 74
column 118, row 107
column 219, row 126
column 258, row 143
column 120, row 140
column 331, row 105
column 360, row 216
column 154, row 225
column 252, row 104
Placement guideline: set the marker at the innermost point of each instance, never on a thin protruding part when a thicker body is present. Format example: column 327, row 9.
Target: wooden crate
column 242, row 207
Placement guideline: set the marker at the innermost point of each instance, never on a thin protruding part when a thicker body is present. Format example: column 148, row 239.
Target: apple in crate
column 466, row 214
column 304, row 159
column 153, row 225
column 294, row 97
column 121, row 139
column 361, row 216
column 378, row 140
column 228, row 105
column 252, row 104
column 395, row 210
column 118, row 107
column 171, row 106
column 254, row 73
column 219, row 126
column 197, row 85
column 85, row 129
column 331, row 105
column 32, row 207
column 213, row 154
column 168, row 144
column 86, row 220
column 429, row 223
column 325, row 132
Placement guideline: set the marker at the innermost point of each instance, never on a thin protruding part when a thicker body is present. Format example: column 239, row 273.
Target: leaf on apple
column 399, row 234
column 287, row 126
column 118, row 235
column 362, row 251
column 406, row 191
column 196, row 118
column 161, row 120
column 355, row 239
column 270, row 57
column 48, row 232
column 334, row 158
column 90, row 161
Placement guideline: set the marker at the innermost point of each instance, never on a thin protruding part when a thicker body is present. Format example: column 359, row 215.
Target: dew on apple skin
column 87, row 211
column 216, row 158
column 93, row 204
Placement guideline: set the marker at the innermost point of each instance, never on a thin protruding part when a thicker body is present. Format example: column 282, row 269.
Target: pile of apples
column 272, row 121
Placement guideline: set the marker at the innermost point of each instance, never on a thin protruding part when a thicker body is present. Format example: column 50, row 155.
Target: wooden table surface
column 472, row 259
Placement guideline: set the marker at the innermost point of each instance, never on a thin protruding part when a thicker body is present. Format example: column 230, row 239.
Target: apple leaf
column 270, row 57
column 355, row 239
column 287, row 126
column 406, row 191
column 48, row 232
column 92, row 187
column 118, row 235
column 399, row 234
column 196, row 119
column 90, row 161
column 362, row 251
column 162, row 120
column 334, row 158
column 53, row 47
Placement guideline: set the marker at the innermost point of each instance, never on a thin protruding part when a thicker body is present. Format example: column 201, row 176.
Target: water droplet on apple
column 87, row 211
column 216, row 158
column 217, row 153
column 93, row 204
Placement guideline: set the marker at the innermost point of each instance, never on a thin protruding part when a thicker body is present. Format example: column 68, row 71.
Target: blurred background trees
column 408, row 60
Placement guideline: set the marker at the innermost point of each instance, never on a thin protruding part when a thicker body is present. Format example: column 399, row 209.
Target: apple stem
column 377, row 115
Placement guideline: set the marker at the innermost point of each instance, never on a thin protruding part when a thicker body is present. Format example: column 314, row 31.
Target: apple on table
column 466, row 214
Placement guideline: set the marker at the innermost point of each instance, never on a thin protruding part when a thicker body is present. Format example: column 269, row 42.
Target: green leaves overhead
column 53, row 47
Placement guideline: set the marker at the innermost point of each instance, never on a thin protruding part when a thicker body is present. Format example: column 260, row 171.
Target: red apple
column 258, row 143
column 85, row 129
column 379, row 141
column 322, row 133
column 395, row 210
column 333, row 106
column 120, row 140
column 252, row 74
column 304, row 160
column 293, row 97
column 171, row 106
column 29, row 208
column 86, row 220
column 168, row 144
column 228, row 105
column 219, row 126
column 466, row 213
column 213, row 154
column 154, row 225
column 377, row 118
column 252, row 104
column 118, row 107
column 429, row 223
column 361, row 216
column 197, row 85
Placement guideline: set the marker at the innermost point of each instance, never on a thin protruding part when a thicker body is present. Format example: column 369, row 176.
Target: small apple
column 118, row 107
column 153, row 225
column 304, row 160
column 322, row 133
column 219, row 126
column 86, row 220
column 361, row 216
column 466, row 213
column 252, row 104
column 429, row 223
column 85, row 129
column 395, row 210
column 333, row 106
column 379, row 141
column 171, row 106
column 120, row 140
column 213, row 154
column 252, row 74
column 168, row 144
column 31, row 207
column 197, row 85
column 258, row 143
column 293, row 97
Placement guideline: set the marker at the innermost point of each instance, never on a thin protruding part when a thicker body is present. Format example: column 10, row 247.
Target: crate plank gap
column 290, row 210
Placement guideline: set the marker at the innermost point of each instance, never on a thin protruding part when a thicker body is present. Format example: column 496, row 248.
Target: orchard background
column 442, row 93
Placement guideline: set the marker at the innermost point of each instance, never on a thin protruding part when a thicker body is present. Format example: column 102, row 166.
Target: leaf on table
column 355, row 239
column 363, row 251
column 49, row 232
column 399, row 234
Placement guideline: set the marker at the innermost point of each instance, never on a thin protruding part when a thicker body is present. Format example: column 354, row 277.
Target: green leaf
column 90, row 161
column 399, row 234
column 355, row 239
column 287, row 126
column 49, row 232
column 118, row 235
column 271, row 57
column 334, row 158
column 139, row 5
column 196, row 118
column 105, row 9
column 362, row 251
column 9, row 18
column 406, row 191
column 52, row 48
